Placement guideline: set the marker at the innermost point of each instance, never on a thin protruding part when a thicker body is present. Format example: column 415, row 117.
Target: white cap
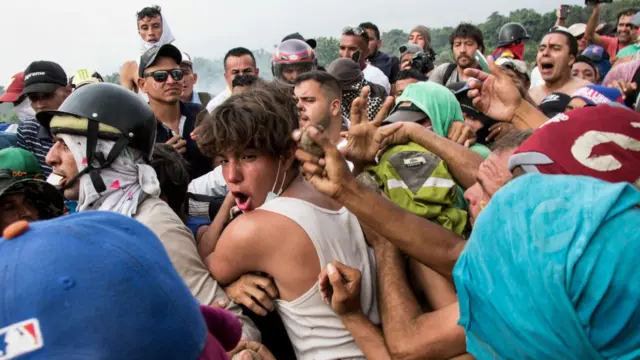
column 577, row 29
column 186, row 58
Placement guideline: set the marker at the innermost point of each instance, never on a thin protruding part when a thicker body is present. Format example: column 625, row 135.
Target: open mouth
column 546, row 67
column 242, row 200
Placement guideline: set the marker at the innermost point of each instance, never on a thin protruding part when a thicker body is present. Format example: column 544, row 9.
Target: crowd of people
column 376, row 207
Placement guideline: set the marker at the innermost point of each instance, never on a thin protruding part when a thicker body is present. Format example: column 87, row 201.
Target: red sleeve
column 610, row 44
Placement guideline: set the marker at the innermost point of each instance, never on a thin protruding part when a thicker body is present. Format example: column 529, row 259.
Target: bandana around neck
column 128, row 179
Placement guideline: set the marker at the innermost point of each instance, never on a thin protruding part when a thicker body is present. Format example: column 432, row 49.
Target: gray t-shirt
column 437, row 75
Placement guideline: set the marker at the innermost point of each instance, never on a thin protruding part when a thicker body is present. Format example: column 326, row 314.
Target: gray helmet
column 510, row 33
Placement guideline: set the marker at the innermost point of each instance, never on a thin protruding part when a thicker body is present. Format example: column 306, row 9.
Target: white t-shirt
column 374, row 75
column 211, row 184
column 219, row 99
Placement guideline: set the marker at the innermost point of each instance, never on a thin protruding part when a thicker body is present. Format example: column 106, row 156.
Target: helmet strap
column 94, row 172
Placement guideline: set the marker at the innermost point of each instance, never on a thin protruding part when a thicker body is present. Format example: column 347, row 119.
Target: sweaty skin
column 552, row 51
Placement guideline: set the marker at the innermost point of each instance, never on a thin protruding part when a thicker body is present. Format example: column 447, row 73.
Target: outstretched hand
column 330, row 174
column 363, row 139
column 495, row 94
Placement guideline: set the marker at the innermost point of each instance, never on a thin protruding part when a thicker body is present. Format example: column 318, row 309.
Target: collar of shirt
column 195, row 98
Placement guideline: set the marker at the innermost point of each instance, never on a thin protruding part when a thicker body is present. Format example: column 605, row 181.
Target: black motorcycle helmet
column 510, row 33
column 112, row 113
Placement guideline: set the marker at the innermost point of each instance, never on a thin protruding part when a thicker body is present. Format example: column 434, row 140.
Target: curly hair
column 149, row 11
column 261, row 119
column 466, row 30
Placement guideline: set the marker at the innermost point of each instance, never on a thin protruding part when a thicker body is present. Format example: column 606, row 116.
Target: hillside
column 210, row 71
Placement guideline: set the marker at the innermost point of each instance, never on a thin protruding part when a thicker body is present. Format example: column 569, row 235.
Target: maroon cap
column 601, row 142
column 13, row 89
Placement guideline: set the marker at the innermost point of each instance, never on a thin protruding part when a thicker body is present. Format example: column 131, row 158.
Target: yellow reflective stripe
column 80, row 124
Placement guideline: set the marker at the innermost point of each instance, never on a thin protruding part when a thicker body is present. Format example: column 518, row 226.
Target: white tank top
column 314, row 329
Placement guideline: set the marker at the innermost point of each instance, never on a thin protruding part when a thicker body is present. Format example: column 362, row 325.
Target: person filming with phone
column 465, row 40
column 627, row 33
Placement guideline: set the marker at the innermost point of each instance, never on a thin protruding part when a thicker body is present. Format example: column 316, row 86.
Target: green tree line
column 210, row 71
column 536, row 24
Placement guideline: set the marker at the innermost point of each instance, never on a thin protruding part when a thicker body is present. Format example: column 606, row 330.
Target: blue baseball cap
column 97, row 285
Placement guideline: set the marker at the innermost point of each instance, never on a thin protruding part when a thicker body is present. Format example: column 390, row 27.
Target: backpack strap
column 447, row 74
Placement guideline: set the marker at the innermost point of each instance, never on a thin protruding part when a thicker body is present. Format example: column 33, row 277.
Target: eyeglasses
column 163, row 75
column 352, row 30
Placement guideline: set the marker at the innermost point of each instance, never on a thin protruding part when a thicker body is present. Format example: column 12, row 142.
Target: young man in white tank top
column 289, row 230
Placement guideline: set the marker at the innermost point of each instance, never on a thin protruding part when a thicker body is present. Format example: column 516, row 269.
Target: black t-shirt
column 197, row 162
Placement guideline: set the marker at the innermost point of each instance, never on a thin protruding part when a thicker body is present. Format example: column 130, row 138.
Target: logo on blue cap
column 20, row 338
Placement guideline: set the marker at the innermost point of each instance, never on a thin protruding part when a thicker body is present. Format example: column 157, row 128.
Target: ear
column 141, row 84
column 257, row 72
column 66, row 91
column 195, row 78
column 379, row 44
column 334, row 107
column 572, row 59
column 290, row 156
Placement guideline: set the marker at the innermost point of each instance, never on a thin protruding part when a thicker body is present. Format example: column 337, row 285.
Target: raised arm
column 497, row 96
column 427, row 242
column 462, row 162
column 127, row 77
column 590, row 33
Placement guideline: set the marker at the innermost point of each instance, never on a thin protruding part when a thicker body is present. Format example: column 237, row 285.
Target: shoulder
column 537, row 93
column 129, row 67
column 190, row 110
column 158, row 216
column 608, row 40
column 29, row 127
column 260, row 230
column 577, row 83
column 439, row 71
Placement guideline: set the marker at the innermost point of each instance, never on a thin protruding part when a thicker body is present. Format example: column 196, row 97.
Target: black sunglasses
column 352, row 30
column 163, row 75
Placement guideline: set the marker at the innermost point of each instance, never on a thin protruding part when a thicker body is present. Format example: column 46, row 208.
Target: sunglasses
column 163, row 75
column 348, row 30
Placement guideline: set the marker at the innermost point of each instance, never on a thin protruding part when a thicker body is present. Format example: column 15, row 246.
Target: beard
column 469, row 63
